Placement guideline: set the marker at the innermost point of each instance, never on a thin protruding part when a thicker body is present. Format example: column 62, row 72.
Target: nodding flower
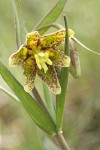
column 40, row 55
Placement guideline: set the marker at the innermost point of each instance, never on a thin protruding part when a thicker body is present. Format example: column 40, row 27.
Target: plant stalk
column 61, row 141
column 49, row 103
column 38, row 97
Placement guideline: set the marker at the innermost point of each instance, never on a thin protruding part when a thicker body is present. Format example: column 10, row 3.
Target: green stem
column 38, row 97
column 49, row 103
column 60, row 99
column 61, row 141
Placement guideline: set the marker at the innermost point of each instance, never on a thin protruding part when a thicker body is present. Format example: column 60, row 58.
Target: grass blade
column 51, row 16
column 37, row 113
column 19, row 23
column 8, row 93
column 60, row 99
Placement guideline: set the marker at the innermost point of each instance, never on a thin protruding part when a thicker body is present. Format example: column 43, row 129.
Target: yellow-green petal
column 58, row 58
column 17, row 58
column 30, row 73
column 51, row 79
column 54, row 39
column 32, row 39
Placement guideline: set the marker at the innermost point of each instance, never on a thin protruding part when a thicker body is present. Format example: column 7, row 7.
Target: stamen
column 42, row 59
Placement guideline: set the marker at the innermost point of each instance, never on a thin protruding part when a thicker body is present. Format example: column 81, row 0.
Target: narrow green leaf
column 60, row 99
column 17, row 26
column 38, row 97
column 37, row 113
column 51, row 16
column 19, row 23
column 9, row 93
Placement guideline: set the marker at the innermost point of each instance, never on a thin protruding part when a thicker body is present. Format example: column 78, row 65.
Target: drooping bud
column 75, row 68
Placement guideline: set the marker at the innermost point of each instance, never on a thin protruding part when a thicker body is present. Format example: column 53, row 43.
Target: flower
column 40, row 55
column 74, row 68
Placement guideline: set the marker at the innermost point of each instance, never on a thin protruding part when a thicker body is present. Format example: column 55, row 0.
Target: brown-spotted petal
column 30, row 73
column 32, row 39
column 51, row 79
column 53, row 39
column 17, row 58
column 58, row 58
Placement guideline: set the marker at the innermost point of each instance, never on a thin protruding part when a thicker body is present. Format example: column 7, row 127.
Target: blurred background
column 81, row 123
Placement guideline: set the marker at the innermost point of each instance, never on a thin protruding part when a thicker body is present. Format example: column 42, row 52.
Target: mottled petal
column 30, row 73
column 54, row 39
column 17, row 58
column 75, row 68
column 58, row 58
column 51, row 79
column 32, row 39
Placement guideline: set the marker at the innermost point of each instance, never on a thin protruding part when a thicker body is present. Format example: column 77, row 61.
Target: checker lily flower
column 40, row 55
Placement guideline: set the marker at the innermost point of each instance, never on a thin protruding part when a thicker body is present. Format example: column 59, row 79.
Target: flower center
column 42, row 59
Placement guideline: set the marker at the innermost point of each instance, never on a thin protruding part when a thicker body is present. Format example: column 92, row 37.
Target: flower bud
column 75, row 69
